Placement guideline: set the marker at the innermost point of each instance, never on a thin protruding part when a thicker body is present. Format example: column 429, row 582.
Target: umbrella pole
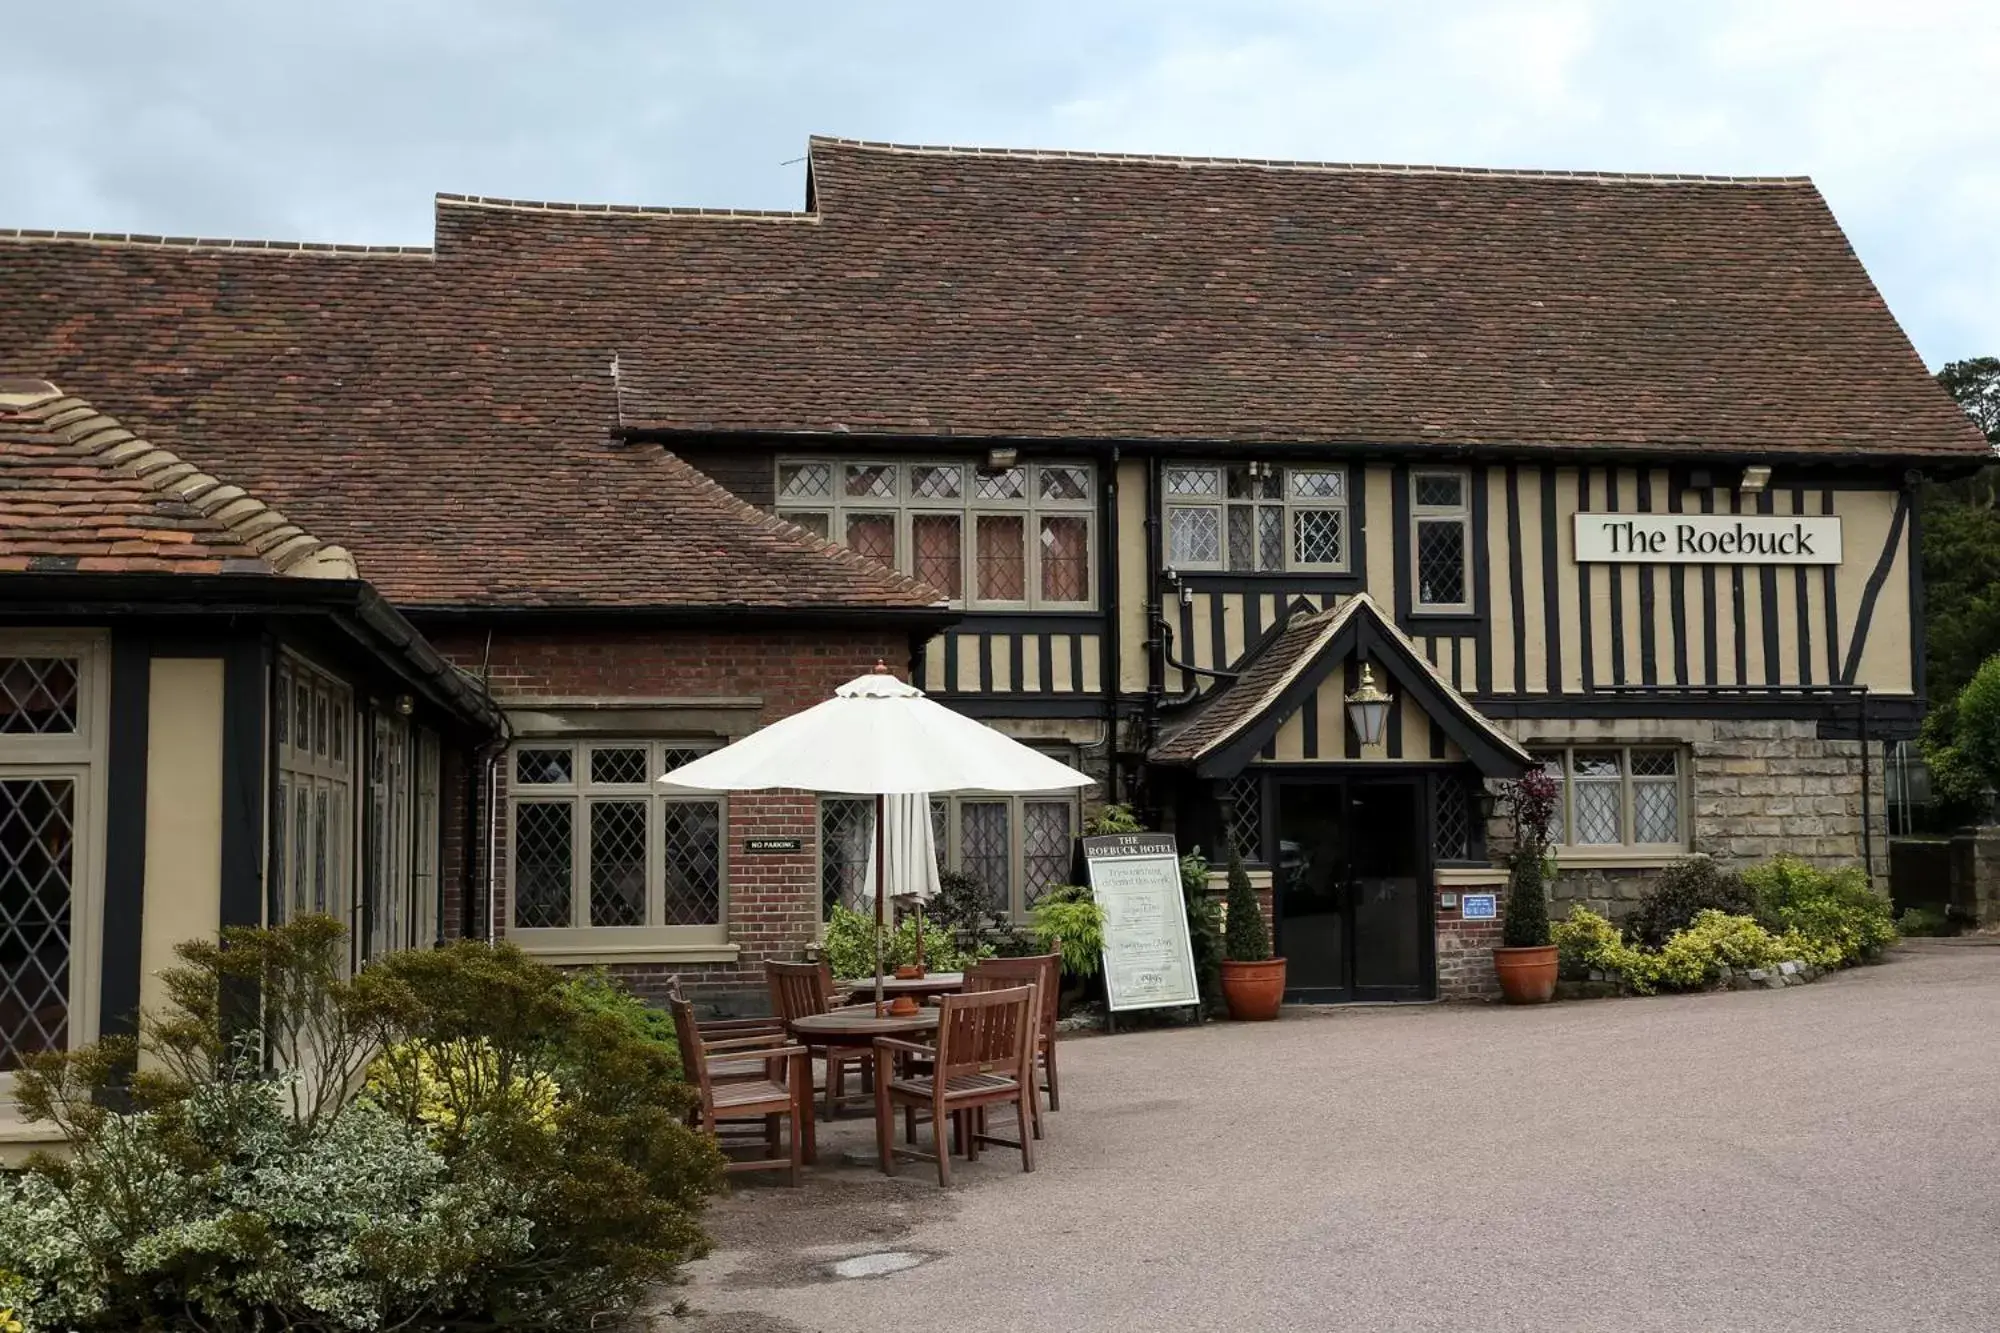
column 881, row 899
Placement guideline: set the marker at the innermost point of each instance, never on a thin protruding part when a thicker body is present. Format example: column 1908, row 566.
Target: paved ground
column 1825, row 1157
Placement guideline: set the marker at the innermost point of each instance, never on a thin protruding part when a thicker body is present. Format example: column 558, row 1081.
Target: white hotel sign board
column 1148, row 957
column 1708, row 539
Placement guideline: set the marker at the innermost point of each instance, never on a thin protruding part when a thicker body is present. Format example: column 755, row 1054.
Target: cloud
column 338, row 123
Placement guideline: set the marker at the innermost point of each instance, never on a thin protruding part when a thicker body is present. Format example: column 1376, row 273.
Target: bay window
column 1255, row 518
column 52, row 734
column 312, row 840
column 998, row 538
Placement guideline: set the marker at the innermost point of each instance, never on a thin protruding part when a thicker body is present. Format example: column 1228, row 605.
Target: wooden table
column 859, row 1024
column 937, row 983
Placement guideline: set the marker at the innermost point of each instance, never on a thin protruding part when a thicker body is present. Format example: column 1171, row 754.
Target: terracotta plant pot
column 1253, row 991
column 1527, row 976
column 910, row 972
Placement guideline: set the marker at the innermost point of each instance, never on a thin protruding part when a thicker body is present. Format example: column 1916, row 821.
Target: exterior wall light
column 1368, row 707
column 1755, row 479
column 999, row 460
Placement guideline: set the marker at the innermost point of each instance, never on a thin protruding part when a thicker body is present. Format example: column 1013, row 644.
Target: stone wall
column 1755, row 788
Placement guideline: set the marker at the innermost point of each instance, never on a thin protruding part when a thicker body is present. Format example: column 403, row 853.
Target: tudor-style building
column 1183, row 444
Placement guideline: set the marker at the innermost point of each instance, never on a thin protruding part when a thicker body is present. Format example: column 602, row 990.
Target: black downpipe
column 1108, row 574
column 1156, row 671
column 1867, row 811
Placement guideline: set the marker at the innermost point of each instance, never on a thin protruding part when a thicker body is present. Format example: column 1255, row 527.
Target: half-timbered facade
column 1613, row 474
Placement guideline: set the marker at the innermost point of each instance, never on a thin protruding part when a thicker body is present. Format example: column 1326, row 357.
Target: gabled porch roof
column 1278, row 676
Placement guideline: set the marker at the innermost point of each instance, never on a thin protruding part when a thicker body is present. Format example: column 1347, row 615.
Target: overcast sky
column 337, row 122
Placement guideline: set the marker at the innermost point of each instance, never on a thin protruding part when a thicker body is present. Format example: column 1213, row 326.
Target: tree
column 1961, row 554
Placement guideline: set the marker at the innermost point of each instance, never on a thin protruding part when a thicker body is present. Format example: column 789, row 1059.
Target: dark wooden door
column 1351, row 890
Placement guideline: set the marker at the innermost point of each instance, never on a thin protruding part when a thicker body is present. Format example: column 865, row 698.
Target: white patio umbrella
column 879, row 737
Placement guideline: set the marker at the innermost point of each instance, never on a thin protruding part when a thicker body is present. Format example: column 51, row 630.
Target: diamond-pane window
column 1598, row 797
column 1001, row 552
column 1004, row 484
column 1194, row 536
column 542, row 861
column 37, row 893
column 693, row 841
column 937, row 481
column 1656, row 811
column 620, row 765
column 983, row 838
column 1451, row 835
column 1270, row 537
column 1441, row 562
column 938, row 547
column 805, row 481
column 1242, row 537
column 1552, row 764
column 38, row 695
column 873, row 535
column 543, row 768
column 677, row 756
column 1243, row 815
column 1045, row 847
column 1441, row 490
column 870, row 480
column 1317, row 537
column 618, row 863
column 1065, row 558
column 1655, row 763
column 1204, row 481
column 846, row 829
column 1260, row 484
column 1064, row 483
column 1318, row 483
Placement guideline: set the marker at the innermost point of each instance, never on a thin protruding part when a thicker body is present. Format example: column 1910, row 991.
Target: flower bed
column 1802, row 923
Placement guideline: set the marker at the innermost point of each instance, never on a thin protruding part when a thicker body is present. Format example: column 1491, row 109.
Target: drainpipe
column 1867, row 812
column 1108, row 579
column 1156, row 672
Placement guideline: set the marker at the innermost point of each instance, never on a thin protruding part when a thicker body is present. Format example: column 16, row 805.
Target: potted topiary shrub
column 1526, row 960
column 1253, row 982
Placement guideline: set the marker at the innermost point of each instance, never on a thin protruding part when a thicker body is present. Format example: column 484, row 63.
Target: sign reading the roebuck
column 1148, row 958
column 1708, row 539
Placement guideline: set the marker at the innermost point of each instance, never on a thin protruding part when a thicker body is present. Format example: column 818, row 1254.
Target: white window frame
column 79, row 757
column 1422, row 514
column 1564, row 758
column 581, row 941
column 1291, row 505
column 1031, row 507
column 317, row 770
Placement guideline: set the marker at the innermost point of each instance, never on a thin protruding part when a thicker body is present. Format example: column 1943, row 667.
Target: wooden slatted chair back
column 798, row 989
column 694, row 1056
column 1042, row 971
column 985, row 1032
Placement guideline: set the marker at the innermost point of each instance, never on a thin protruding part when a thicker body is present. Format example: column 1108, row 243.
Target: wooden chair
column 1044, row 973
column 800, row 989
column 726, row 1103
column 985, row 1056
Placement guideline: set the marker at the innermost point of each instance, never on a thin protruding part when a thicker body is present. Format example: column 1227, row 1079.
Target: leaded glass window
column 37, row 915
column 1242, row 799
column 1018, row 847
column 1046, row 839
column 1441, row 538
column 1451, row 829
column 1019, row 537
column 597, row 846
column 1255, row 517
column 1615, row 797
column 314, row 863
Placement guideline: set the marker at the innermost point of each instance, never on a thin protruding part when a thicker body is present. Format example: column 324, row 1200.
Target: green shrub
column 1690, row 959
column 1068, row 917
column 518, row 1158
column 850, row 945
column 964, row 907
column 1976, row 731
column 1682, row 892
column 597, row 991
column 1246, row 939
column 1921, row 921
column 1204, row 917
column 1533, row 799
column 1834, row 916
column 1113, row 819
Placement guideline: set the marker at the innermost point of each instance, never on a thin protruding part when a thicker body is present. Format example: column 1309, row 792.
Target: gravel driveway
column 1823, row 1157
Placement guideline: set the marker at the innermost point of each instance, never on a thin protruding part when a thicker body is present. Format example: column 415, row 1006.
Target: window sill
column 1449, row 877
column 564, row 954
column 1617, row 859
column 19, row 1138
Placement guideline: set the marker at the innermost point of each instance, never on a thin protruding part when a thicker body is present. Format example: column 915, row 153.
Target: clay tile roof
column 1021, row 294
column 80, row 492
column 459, row 417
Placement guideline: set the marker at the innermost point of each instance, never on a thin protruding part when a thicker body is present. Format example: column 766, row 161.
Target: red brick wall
column 1465, row 954
column 773, row 900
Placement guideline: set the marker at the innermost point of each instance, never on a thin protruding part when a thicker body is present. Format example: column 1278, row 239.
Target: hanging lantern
column 1368, row 707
